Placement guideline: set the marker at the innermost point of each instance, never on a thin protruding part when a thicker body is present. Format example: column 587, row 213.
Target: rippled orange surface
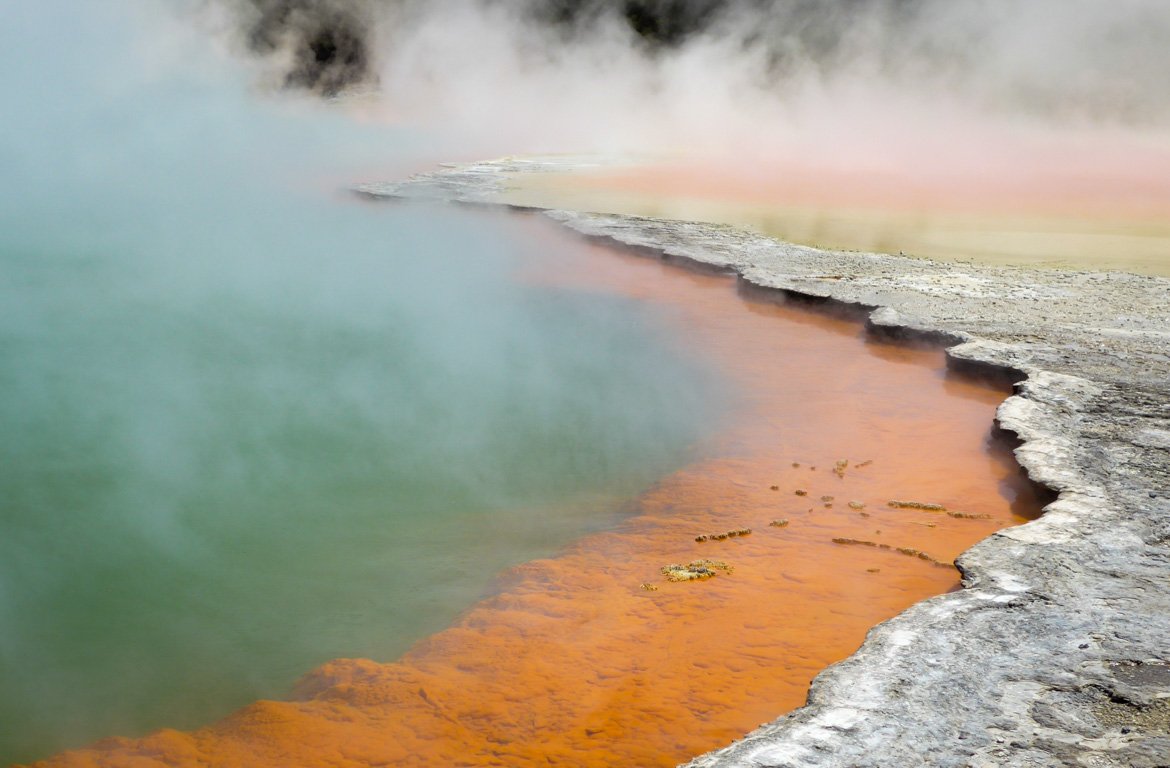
column 574, row 663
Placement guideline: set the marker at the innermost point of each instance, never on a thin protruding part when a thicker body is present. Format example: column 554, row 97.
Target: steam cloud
column 1083, row 59
column 918, row 91
column 325, row 45
column 219, row 378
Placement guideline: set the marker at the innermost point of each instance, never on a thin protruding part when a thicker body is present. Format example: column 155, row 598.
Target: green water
column 248, row 424
column 211, row 487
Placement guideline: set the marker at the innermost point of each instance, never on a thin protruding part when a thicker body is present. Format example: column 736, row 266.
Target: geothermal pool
column 247, row 424
column 589, row 655
column 218, row 476
column 248, row 427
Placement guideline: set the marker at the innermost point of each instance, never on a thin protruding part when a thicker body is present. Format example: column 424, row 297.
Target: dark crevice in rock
column 821, row 305
column 928, row 336
column 993, row 374
column 1029, row 494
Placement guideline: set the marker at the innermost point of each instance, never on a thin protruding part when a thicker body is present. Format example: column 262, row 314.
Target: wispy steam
column 965, row 89
column 1058, row 58
column 219, row 379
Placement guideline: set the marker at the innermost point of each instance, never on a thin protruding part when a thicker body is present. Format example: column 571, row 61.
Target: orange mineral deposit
column 596, row 657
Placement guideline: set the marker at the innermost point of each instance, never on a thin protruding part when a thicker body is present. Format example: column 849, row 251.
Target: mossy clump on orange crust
column 916, row 505
column 724, row 535
column 696, row 570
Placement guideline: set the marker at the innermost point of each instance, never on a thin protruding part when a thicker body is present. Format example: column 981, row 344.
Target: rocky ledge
column 1056, row 652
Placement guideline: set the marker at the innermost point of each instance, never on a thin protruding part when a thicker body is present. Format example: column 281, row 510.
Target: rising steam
column 242, row 417
column 1082, row 59
column 953, row 90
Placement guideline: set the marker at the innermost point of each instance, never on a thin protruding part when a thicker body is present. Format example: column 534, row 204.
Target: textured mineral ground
column 1055, row 651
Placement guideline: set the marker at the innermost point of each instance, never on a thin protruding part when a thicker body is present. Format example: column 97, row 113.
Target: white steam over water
column 249, row 423
column 964, row 86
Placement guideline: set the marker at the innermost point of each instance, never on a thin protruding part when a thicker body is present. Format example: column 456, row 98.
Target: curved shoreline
column 1054, row 651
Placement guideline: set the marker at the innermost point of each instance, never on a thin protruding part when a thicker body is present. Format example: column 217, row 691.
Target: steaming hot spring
column 790, row 390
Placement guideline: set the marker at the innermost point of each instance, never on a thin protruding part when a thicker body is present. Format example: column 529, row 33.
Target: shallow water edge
column 830, row 425
column 1033, row 660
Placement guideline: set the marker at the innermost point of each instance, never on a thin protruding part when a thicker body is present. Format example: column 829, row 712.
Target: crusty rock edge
column 1057, row 650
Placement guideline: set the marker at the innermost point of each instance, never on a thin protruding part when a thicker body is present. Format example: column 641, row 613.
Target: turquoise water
column 247, row 424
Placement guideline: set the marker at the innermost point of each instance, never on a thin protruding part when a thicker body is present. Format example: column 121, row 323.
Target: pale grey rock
column 1057, row 650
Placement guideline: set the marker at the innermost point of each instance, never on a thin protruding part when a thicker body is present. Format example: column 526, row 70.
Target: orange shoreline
column 573, row 662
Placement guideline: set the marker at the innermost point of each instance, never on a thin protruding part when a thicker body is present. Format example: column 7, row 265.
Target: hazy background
column 1008, row 132
column 248, row 422
column 917, row 86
